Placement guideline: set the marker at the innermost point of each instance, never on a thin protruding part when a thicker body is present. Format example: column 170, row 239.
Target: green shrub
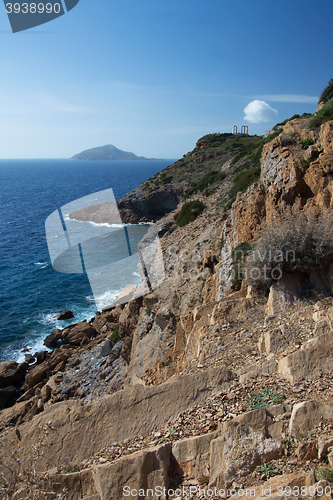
column 167, row 179
column 207, row 180
column 171, row 229
column 285, row 121
column 266, row 398
column 215, row 139
column 148, row 311
column 306, row 143
column 325, row 472
column 189, row 212
column 229, row 204
column 267, row 469
column 244, row 180
column 324, row 115
column 115, row 334
column 327, row 93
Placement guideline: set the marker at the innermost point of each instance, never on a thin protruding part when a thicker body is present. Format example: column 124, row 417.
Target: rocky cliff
column 217, row 383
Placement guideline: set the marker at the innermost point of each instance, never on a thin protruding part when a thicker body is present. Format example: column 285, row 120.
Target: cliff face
column 212, row 379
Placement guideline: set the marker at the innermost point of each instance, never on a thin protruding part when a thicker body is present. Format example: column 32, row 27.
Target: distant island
column 108, row 152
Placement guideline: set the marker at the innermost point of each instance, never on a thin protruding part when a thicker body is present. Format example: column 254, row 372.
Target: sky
column 153, row 77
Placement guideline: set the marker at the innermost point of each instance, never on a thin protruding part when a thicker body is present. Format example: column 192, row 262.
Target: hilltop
column 219, row 378
column 108, row 152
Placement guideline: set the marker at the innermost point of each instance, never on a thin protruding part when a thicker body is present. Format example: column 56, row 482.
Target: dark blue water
column 31, row 291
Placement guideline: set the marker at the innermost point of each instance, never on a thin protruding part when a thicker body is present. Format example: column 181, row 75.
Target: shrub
column 285, row 121
column 268, row 470
column 189, row 212
column 325, row 114
column 325, row 472
column 207, row 180
column 327, row 93
column 167, row 179
column 266, row 398
column 306, row 143
column 243, row 180
column 115, row 334
column 291, row 242
column 148, row 311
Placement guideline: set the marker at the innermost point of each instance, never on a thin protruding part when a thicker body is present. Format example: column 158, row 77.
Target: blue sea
column 31, row 291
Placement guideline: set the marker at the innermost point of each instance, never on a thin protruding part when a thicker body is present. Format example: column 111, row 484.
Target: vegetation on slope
column 323, row 115
column 327, row 93
column 189, row 212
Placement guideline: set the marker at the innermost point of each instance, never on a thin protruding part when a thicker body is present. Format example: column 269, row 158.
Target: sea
column 31, row 291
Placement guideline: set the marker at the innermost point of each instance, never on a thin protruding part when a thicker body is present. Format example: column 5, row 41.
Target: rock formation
column 211, row 383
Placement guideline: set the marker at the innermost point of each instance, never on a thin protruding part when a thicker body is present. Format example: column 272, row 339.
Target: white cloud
column 259, row 111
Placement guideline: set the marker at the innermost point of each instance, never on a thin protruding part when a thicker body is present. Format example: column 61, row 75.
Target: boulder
column 324, row 443
column 65, row 315
column 307, row 415
column 12, row 373
column 143, row 470
column 307, row 450
column 5, row 394
column 105, row 348
column 39, row 372
column 314, row 356
column 193, row 454
column 41, row 356
column 52, row 339
column 28, row 358
column 238, row 453
column 78, row 485
column 282, row 295
column 82, row 331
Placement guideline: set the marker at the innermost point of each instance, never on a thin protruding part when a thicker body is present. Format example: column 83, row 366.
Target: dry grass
column 289, row 243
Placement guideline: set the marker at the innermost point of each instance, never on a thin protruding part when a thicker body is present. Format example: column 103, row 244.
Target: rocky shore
column 209, row 382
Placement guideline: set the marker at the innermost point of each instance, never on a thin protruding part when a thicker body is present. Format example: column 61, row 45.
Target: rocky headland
column 221, row 379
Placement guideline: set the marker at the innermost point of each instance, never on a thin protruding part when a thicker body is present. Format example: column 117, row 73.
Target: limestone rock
column 282, row 295
column 324, row 443
column 238, row 453
column 193, row 454
column 307, row 415
column 307, row 450
column 314, row 356
column 132, row 411
column 143, row 470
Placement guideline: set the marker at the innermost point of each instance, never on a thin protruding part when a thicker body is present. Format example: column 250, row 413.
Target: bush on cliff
column 289, row 243
column 325, row 114
column 114, row 337
column 207, row 180
column 189, row 212
column 327, row 93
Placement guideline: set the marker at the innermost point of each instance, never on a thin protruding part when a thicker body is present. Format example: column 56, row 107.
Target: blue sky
column 152, row 77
